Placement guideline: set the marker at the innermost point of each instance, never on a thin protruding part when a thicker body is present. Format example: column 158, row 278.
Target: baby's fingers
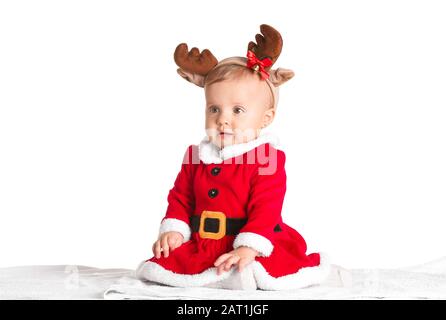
column 178, row 243
column 221, row 268
column 221, row 259
column 230, row 262
column 226, row 265
column 174, row 243
column 171, row 243
column 165, row 247
column 242, row 264
column 157, row 250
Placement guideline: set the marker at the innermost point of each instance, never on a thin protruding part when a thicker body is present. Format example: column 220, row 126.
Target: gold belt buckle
column 221, row 226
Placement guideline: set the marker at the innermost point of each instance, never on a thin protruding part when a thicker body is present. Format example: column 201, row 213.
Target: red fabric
column 243, row 193
column 264, row 63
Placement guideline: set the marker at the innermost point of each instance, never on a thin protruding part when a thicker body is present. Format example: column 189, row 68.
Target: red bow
column 258, row 65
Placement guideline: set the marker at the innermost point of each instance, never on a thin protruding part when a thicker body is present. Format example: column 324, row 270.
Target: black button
column 212, row 193
column 215, row 171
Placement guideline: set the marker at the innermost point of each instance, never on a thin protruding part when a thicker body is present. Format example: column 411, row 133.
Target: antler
column 193, row 61
column 268, row 46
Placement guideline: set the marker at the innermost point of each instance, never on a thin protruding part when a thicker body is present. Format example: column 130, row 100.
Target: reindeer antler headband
column 195, row 66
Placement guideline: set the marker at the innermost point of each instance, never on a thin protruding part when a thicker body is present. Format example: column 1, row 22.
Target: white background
column 94, row 121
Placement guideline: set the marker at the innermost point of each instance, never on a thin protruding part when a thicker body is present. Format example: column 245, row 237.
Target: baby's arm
column 175, row 228
column 241, row 257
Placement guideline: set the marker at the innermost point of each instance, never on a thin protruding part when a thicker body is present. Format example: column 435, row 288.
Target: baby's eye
column 213, row 109
column 238, row 110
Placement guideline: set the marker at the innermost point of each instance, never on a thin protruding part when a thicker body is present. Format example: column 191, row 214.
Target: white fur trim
column 210, row 153
column 177, row 225
column 154, row 272
column 254, row 241
column 244, row 280
column 305, row 277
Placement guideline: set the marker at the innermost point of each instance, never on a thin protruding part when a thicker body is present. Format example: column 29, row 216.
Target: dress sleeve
column 264, row 206
column 181, row 198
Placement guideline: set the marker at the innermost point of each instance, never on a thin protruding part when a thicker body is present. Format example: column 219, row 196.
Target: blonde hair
column 231, row 72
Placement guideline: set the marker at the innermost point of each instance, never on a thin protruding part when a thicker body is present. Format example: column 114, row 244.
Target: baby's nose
column 222, row 120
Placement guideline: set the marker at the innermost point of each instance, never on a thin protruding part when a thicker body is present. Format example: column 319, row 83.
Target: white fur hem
column 305, row 277
column 154, row 272
column 177, row 225
column 210, row 153
column 254, row 241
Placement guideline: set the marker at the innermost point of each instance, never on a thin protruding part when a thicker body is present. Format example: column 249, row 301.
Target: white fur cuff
column 176, row 225
column 254, row 241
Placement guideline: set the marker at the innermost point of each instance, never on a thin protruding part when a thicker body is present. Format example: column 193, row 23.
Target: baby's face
column 236, row 110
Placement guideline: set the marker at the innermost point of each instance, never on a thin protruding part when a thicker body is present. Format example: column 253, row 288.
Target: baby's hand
column 167, row 241
column 241, row 257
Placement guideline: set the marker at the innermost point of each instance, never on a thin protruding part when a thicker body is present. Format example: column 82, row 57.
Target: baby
column 223, row 226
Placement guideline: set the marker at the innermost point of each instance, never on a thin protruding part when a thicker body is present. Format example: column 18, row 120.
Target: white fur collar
column 210, row 153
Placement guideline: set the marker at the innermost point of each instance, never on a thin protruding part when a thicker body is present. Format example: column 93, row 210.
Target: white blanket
column 58, row 282
column 427, row 281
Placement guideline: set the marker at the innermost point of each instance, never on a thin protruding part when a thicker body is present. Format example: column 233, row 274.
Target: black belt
column 233, row 225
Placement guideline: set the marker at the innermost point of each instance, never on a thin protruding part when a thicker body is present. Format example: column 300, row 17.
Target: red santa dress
column 224, row 199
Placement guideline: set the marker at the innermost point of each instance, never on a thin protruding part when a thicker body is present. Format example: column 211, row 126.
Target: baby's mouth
column 226, row 134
